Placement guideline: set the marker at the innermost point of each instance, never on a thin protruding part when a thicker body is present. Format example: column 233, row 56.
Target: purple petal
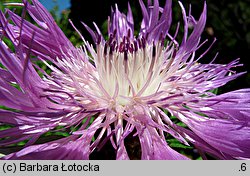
column 192, row 42
column 234, row 105
column 154, row 147
column 69, row 148
column 230, row 137
column 122, row 152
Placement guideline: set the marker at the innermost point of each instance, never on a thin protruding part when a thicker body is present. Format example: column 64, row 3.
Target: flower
column 126, row 85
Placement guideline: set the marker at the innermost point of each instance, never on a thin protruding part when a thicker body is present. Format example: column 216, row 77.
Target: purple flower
column 122, row 86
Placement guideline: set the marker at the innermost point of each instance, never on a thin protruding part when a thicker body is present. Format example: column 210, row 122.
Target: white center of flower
column 126, row 75
column 113, row 76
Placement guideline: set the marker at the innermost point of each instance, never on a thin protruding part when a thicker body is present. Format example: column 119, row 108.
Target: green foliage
column 65, row 26
column 214, row 91
column 174, row 143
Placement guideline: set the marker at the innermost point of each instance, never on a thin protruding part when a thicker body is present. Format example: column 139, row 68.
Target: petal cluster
column 127, row 85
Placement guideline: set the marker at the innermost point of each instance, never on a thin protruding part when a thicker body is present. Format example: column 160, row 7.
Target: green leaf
column 214, row 91
column 199, row 158
column 176, row 144
column 181, row 124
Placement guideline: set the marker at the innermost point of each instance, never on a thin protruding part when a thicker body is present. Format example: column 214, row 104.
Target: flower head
column 121, row 86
